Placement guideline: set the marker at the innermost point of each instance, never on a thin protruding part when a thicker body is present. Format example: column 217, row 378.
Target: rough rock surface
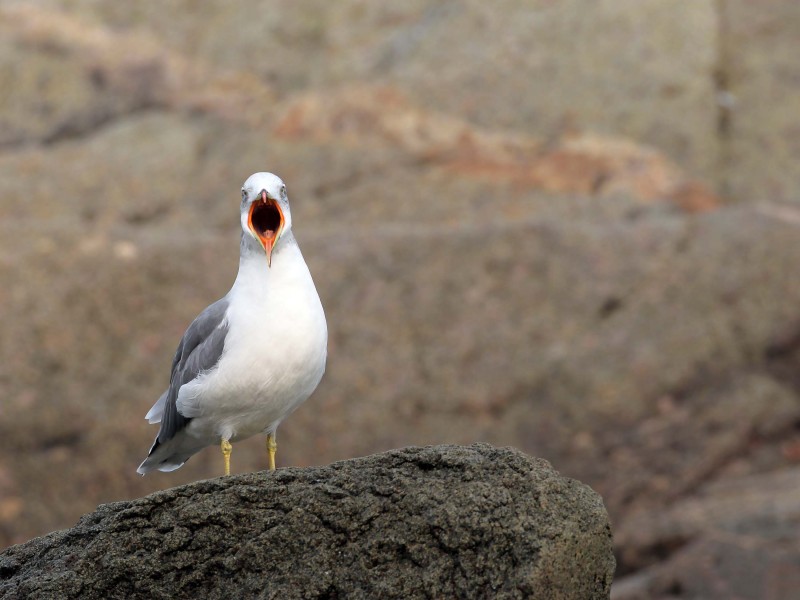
column 434, row 522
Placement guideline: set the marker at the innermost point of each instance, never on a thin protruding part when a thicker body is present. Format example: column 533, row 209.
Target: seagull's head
column 265, row 210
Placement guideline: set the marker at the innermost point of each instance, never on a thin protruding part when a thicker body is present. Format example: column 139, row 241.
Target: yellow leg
column 272, row 448
column 226, row 455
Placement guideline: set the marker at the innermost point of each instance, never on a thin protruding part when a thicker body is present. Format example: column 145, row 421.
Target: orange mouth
column 266, row 222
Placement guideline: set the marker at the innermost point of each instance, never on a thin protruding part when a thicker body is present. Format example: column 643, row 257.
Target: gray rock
column 433, row 522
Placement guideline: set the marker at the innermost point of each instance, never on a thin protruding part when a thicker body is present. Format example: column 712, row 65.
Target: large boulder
column 444, row 521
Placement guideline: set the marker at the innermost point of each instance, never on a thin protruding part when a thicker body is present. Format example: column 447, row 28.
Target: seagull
column 252, row 357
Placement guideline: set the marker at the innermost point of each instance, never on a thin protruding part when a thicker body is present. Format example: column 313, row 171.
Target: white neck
column 256, row 274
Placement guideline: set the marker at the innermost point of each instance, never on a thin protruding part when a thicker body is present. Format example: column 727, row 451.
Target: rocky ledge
column 433, row 522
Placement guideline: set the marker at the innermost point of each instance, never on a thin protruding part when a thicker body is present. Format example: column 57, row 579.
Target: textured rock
column 445, row 521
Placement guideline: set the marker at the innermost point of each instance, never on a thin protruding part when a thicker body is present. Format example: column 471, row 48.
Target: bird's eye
column 244, row 194
column 283, row 191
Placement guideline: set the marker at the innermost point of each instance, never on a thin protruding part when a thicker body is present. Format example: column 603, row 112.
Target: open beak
column 266, row 222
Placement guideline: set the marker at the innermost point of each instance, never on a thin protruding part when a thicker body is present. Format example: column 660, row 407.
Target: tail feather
column 155, row 414
column 164, row 457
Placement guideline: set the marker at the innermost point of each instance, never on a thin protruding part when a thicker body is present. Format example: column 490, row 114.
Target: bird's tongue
column 268, row 241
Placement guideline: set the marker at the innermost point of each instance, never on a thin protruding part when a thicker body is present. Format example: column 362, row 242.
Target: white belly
column 274, row 356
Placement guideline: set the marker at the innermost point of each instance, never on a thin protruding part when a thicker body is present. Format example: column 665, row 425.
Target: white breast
column 274, row 355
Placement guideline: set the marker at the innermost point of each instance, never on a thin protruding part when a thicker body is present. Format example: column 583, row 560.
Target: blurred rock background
column 570, row 226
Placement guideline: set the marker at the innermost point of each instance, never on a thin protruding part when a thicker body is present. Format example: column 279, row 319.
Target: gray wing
column 199, row 350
